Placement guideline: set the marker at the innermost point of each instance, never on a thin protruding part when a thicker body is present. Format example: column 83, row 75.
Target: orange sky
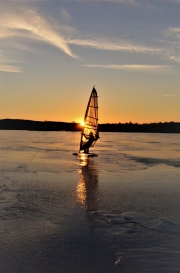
column 53, row 54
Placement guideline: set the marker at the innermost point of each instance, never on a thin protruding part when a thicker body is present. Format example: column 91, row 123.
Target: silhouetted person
column 90, row 142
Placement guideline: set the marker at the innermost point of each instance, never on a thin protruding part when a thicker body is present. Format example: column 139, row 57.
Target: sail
column 90, row 132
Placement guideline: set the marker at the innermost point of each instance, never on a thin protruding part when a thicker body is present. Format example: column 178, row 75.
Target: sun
column 82, row 123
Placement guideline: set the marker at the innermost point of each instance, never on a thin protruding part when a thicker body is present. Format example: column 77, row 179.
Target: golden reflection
column 81, row 190
column 84, row 160
column 87, row 186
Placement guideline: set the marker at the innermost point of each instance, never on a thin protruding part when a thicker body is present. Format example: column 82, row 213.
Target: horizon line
column 114, row 123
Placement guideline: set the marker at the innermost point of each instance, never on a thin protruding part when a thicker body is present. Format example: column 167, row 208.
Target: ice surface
column 118, row 212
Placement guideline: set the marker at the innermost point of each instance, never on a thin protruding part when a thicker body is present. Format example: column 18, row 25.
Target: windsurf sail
column 90, row 133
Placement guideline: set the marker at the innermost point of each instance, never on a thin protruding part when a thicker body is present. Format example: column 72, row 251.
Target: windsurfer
column 90, row 142
column 90, row 134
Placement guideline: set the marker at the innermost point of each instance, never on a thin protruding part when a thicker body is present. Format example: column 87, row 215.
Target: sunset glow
column 53, row 54
column 82, row 123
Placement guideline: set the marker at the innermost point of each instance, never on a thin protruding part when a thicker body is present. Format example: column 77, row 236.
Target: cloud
column 21, row 24
column 171, row 46
column 115, row 45
column 65, row 15
column 9, row 63
column 10, row 68
column 133, row 67
column 25, row 23
column 7, row 67
column 165, row 49
column 34, row 26
column 173, row 32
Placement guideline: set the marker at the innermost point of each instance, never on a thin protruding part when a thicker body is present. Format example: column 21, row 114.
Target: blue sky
column 53, row 52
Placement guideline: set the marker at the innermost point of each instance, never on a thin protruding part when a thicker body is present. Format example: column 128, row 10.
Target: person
column 89, row 142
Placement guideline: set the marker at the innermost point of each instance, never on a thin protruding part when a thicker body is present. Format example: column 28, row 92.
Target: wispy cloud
column 27, row 24
column 173, row 32
column 133, row 67
column 171, row 44
column 171, row 97
column 23, row 24
column 7, row 64
column 165, row 49
column 104, row 43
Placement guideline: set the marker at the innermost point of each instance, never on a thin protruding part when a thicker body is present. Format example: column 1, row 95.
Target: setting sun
column 82, row 123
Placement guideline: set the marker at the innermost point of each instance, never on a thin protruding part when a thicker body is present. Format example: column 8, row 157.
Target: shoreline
column 31, row 125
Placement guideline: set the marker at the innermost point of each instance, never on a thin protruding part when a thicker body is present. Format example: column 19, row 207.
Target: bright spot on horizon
column 82, row 123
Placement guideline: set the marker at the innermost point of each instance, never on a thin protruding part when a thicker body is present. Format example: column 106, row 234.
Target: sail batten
column 92, row 117
column 90, row 132
column 93, row 106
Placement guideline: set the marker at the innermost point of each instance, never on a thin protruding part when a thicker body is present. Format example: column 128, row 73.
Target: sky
column 53, row 52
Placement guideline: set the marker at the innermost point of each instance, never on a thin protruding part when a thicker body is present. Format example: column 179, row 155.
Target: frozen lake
column 118, row 212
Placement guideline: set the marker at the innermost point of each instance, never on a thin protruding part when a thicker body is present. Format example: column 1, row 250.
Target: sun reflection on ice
column 81, row 187
column 84, row 161
column 81, row 191
column 87, row 187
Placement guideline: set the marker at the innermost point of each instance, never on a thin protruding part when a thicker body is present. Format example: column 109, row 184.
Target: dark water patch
column 155, row 161
column 129, row 222
column 140, row 243
column 117, row 224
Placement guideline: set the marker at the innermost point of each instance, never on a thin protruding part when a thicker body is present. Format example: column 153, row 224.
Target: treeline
column 166, row 127
column 31, row 125
column 18, row 124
